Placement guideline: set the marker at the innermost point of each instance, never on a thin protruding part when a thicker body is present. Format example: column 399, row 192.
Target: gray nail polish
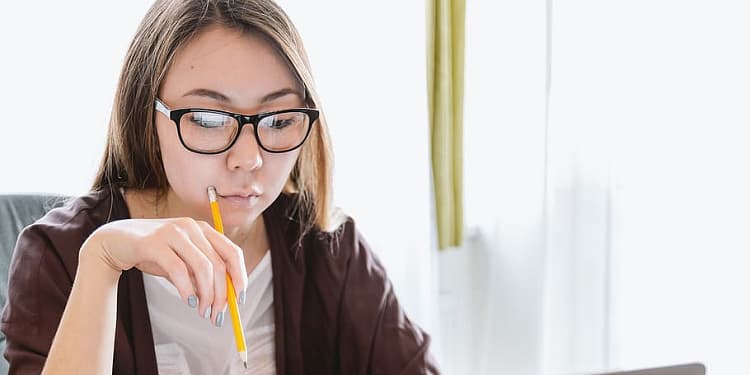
column 207, row 314
column 219, row 319
column 243, row 295
column 193, row 301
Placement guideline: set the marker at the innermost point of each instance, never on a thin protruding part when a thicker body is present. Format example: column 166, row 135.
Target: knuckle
column 235, row 253
column 175, row 269
column 186, row 222
column 170, row 228
column 220, row 295
column 220, row 268
column 206, row 284
column 204, row 225
column 205, row 268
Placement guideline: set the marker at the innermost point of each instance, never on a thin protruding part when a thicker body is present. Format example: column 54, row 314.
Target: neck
column 253, row 241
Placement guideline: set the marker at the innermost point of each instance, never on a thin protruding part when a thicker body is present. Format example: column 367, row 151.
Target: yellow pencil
column 234, row 311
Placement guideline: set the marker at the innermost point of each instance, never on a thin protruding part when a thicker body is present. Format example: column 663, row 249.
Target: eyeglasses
column 209, row 131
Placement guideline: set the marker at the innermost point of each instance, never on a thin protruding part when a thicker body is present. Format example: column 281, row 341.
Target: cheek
column 276, row 169
column 188, row 173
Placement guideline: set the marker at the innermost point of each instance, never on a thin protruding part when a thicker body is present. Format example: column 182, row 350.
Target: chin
column 240, row 213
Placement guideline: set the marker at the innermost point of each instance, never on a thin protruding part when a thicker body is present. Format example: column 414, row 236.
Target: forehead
column 242, row 66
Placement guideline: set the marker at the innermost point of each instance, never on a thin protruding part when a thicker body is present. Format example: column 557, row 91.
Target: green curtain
column 445, row 81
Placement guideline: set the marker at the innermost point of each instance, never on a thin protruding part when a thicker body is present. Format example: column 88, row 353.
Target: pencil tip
column 245, row 363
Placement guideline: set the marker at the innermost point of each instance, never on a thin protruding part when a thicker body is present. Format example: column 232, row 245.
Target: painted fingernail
column 207, row 314
column 193, row 301
column 219, row 319
column 243, row 295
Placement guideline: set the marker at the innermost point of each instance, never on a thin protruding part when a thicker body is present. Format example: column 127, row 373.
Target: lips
column 241, row 198
column 242, row 194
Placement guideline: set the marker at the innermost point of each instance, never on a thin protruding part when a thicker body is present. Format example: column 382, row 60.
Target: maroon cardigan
column 335, row 310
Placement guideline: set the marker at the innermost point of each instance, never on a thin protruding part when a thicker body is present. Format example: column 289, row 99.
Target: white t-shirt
column 186, row 343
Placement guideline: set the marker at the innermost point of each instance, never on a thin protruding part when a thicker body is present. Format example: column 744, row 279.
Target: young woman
column 131, row 278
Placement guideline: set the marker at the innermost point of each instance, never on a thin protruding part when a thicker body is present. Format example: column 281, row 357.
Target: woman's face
column 236, row 72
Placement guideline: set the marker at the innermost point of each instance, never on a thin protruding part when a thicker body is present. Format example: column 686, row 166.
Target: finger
column 176, row 271
column 233, row 257
column 198, row 235
column 197, row 262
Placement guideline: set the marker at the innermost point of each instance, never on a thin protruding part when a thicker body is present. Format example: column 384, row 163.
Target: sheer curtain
column 659, row 90
column 606, row 188
column 494, row 285
column 679, row 110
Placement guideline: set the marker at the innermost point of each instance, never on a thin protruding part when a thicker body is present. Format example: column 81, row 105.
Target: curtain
column 445, row 76
column 606, row 189
column 528, row 287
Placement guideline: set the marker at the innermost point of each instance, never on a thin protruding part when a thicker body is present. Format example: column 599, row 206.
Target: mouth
column 241, row 198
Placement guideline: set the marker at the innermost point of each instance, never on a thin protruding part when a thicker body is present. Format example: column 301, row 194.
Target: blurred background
column 605, row 179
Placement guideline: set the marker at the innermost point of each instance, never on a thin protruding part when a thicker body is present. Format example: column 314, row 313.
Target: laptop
column 686, row 369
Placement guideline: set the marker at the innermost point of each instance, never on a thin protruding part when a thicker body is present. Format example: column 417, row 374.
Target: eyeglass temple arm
column 162, row 108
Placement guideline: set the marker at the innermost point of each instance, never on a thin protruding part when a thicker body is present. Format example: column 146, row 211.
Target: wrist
column 94, row 258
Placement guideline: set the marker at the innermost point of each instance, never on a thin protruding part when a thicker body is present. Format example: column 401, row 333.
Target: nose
column 245, row 154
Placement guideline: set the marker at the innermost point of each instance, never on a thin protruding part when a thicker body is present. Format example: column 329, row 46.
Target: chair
column 16, row 212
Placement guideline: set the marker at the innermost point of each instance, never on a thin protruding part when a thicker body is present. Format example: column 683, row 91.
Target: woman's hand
column 191, row 254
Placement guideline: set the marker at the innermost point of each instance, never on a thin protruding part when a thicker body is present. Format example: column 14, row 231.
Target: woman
column 131, row 278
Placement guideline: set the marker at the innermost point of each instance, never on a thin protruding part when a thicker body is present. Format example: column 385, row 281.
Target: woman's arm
column 68, row 326
column 399, row 346
column 85, row 339
column 376, row 330
column 190, row 254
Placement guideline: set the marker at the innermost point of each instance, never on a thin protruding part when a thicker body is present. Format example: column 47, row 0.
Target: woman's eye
column 208, row 120
column 282, row 123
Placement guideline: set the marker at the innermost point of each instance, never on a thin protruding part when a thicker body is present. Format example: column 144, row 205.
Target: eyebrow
column 223, row 98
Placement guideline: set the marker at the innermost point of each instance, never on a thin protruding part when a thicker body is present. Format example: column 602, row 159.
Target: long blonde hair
column 132, row 157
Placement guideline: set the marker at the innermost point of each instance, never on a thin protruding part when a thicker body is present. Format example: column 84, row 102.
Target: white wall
column 369, row 64
column 58, row 72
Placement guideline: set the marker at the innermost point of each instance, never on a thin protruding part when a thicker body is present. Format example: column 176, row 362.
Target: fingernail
column 207, row 314
column 193, row 301
column 243, row 295
column 219, row 319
